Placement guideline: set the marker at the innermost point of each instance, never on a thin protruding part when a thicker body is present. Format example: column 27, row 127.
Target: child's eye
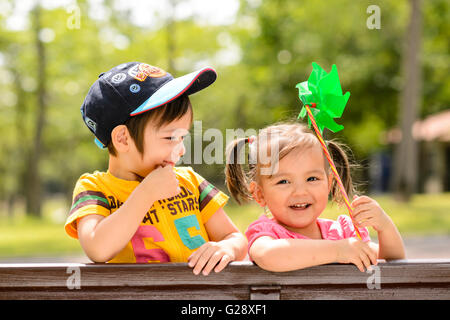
column 312, row 179
column 175, row 138
column 284, row 181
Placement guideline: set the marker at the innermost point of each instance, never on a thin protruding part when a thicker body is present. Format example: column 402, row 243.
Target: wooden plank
column 232, row 293
column 402, row 279
column 130, row 293
column 242, row 273
column 396, row 292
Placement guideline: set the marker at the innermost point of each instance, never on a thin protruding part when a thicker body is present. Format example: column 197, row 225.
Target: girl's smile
column 300, row 206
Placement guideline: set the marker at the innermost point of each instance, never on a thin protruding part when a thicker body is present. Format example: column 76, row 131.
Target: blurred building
column 433, row 136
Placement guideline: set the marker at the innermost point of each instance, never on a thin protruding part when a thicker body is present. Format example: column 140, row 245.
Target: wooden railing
column 401, row 279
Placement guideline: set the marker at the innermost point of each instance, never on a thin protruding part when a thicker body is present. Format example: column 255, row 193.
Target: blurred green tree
column 260, row 57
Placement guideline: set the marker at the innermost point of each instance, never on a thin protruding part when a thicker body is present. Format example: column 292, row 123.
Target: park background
column 393, row 56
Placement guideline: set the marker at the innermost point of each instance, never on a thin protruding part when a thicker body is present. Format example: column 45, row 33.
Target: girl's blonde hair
column 271, row 145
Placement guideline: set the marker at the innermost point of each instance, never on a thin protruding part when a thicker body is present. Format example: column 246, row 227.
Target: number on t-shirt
column 144, row 255
column 182, row 225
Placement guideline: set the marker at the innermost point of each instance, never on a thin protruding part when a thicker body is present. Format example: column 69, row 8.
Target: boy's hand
column 368, row 213
column 355, row 251
column 162, row 183
column 211, row 255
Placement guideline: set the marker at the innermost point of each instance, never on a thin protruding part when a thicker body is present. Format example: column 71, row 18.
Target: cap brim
column 189, row 84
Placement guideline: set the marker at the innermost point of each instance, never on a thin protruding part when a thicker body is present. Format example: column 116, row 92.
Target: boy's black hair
column 173, row 110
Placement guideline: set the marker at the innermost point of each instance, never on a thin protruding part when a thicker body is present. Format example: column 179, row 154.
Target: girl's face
column 298, row 192
column 163, row 146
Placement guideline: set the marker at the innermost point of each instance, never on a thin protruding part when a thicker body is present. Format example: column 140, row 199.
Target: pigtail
column 343, row 167
column 236, row 179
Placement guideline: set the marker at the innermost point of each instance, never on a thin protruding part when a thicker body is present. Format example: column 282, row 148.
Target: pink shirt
column 331, row 230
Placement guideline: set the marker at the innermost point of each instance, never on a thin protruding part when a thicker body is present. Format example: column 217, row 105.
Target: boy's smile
column 162, row 146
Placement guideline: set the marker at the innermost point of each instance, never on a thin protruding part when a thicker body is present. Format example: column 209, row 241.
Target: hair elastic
column 250, row 139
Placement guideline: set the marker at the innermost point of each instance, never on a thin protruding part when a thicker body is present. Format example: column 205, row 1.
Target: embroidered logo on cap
column 142, row 71
column 118, row 78
column 135, row 88
column 91, row 124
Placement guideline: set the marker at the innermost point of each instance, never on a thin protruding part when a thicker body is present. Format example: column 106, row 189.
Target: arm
column 227, row 244
column 369, row 213
column 292, row 254
column 104, row 237
column 390, row 243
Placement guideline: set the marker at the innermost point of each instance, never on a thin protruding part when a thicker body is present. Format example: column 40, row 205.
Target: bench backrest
column 401, row 279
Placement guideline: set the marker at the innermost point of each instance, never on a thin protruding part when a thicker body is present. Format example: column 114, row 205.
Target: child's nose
column 178, row 151
column 182, row 149
column 300, row 189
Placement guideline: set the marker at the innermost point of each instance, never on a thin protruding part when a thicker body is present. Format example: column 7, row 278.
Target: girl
column 289, row 175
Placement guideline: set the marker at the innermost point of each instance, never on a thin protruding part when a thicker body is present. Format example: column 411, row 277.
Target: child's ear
column 257, row 193
column 120, row 137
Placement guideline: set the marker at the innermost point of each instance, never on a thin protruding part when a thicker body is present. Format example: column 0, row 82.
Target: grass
column 25, row 236
column 32, row 237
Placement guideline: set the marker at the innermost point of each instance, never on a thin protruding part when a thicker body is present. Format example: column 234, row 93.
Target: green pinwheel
column 323, row 102
column 323, row 93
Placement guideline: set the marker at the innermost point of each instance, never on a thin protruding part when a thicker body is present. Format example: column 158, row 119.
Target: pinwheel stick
column 333, row 167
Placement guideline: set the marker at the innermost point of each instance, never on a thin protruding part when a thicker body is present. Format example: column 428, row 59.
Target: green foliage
column 286, row 36
column 277, row 41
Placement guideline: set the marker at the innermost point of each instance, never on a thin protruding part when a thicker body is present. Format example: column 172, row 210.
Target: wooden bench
column 400, row 279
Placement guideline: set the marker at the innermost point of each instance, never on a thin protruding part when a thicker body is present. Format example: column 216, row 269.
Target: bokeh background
column 393, row 56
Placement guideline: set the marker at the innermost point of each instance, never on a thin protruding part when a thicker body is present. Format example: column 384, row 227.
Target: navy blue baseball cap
column 132, row 88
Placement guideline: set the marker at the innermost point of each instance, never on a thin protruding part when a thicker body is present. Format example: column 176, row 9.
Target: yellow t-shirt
column 171, row 230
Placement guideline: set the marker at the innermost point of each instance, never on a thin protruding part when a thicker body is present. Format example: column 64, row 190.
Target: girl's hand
column 355, row 251
column 368, row 213
column 211, row 255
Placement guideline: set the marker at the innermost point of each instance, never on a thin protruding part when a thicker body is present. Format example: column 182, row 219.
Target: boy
column 143, row 209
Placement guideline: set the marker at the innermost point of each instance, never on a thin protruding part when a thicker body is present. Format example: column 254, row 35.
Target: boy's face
column 162, row 146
